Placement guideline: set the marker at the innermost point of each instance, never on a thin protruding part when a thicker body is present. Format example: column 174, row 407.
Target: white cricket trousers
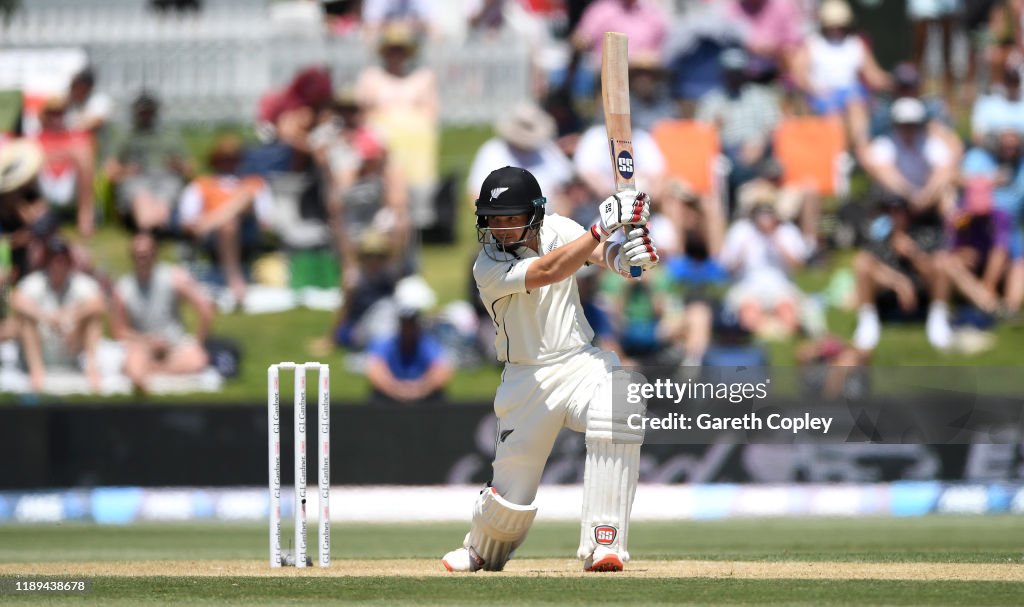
column 533, row 403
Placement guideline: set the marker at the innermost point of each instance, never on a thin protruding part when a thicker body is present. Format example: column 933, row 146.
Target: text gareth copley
column 748, row 421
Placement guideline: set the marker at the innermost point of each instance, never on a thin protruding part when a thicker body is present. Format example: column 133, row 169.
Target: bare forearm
column 560, row 263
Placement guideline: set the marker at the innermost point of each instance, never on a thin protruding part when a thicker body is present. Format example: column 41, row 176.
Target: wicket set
column 323, row 460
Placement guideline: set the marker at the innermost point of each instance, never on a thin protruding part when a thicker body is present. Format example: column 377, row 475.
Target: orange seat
column 812, row 153
column 692, row 153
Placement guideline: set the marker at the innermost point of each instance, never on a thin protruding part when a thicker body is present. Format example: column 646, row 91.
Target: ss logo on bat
column 624, row 164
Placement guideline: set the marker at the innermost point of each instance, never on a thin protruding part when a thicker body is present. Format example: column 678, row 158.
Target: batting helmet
column 509, row 191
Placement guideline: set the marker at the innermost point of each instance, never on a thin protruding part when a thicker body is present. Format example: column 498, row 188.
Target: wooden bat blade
column 615, row 98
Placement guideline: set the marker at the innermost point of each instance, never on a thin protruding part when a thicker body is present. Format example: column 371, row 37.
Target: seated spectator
column 1002, row 26
column 408, row 367
column 694, row 46
column 588, row 282
column 1002, row 163
column 798, row 204
column 525, row 139
column 646, row 313
column 745, row 114
column 367, row 309
column 642, row 20
column 226, row 211
column 67, row 174
column 402, row 103
column 906, row 82
column 146, row 316
column 60, row 314
column 979, row 253
column 25, row 218
column 88, row 110
column 285, row 120
column 913, row 164
column 762, row 252
column 342, row 17
column 689, row 230
column 649, row 101
column 149, row 169
column 1000, row 109
column 896, row 273
column 833, row 66
column 772, row 30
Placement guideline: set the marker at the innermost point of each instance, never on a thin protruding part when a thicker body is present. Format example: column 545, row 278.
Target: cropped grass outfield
column 959, row 545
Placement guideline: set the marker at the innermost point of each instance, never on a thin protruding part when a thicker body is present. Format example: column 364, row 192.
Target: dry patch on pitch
column 754, row 570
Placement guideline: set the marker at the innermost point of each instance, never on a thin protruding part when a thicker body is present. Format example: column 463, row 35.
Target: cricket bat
column 615, row 96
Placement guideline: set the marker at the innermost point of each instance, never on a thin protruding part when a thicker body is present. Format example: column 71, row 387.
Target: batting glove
column 628, row 207
column 638, row 250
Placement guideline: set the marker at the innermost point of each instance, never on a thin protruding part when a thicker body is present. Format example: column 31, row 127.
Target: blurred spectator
column 416, row 15
column 226, row 211
column 895, row 273
column 1004, row 38
column 1002, row 163
column 762, row 252
column 146, row 316
column 588, row 282
column 830, row 368
column 367, row 310
column 149, row 168
column 693, row 47
column 914, row 165
column 66, row 179
column 285, row 119
column 833, row 66
column 980, row 241
column 690, row 230
column 568, row 122
column 87, row 109
column 60, row 312
column 646, row 313
column 772, row 30
column 486, row 15
column 402, row 103
column 924, row 15
column 906, row 82
column 594, row 168
column 25, row 217
column 1002, row 108
column 410, row 366
column 745, row 114
column 798, row 204
column 642, row 20
column 525, row 138
column 342, row 16
column 649, row 101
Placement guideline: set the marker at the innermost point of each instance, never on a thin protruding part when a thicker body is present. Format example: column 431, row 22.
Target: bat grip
column 634, row 271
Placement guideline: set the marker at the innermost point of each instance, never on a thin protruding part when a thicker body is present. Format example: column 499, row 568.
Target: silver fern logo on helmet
column 497, row 192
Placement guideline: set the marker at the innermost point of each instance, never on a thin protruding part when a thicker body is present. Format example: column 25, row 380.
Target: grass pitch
column 927, row 561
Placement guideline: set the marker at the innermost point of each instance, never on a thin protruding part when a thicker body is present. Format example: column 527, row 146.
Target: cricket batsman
column 553, row 376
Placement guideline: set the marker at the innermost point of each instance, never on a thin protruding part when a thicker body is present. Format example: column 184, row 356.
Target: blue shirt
column 1008, row 197
column 416, row 365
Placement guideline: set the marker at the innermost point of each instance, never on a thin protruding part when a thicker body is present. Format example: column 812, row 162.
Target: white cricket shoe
column 603, row 559
column 461, row 560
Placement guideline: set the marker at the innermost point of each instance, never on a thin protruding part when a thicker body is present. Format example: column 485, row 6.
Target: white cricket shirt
column 542, row 325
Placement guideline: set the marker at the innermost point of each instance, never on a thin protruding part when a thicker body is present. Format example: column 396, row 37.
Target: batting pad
column 609, row 477
column 499, row 527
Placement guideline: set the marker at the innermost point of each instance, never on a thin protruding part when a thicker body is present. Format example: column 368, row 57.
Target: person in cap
column 649, row 101
column 526, row 139
column 834, row 65
column 60, row 318
column 409, row 366
column 553, row 376
column 66, row 178
column 1002, row 107
column 762, row 252
column 25, row 216
column 914, row 170
column 402, row 103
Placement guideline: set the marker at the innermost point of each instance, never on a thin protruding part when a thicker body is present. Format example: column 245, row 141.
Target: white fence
column 214, row 67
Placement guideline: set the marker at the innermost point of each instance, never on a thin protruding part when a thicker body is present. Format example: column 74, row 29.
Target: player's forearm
column 560, row 263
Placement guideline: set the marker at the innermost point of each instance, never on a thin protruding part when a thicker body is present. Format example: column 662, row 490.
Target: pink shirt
column 776, row 27
column 645, row 24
